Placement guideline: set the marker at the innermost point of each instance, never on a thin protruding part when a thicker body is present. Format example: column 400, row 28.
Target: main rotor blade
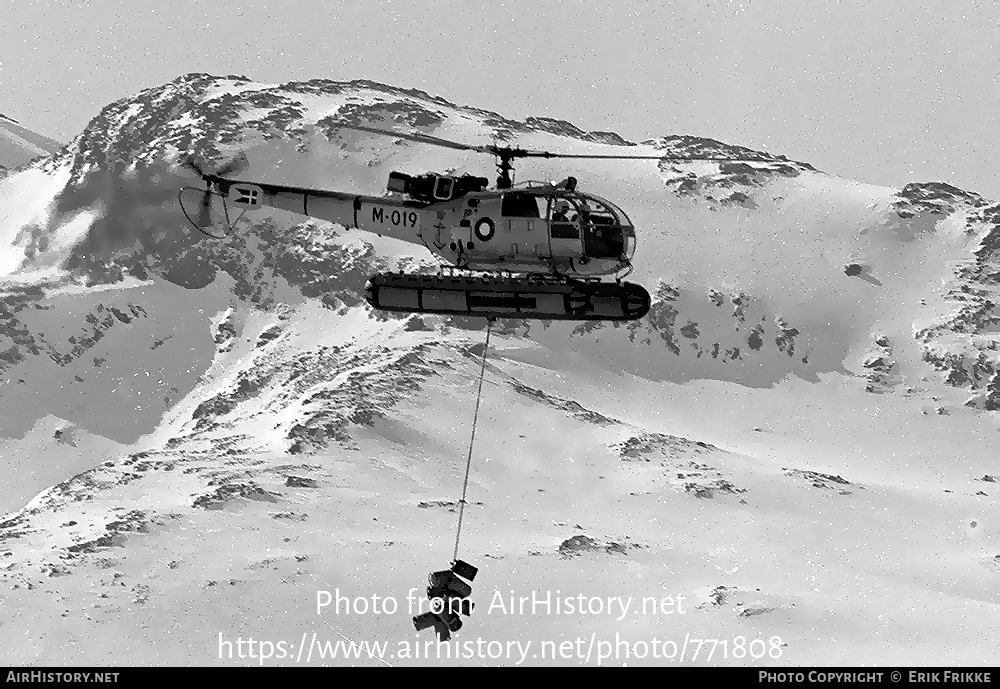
column 522, row 153
column 546, row 154
column 422, row 138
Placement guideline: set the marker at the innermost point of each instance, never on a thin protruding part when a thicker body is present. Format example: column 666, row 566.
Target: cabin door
column 525, row 230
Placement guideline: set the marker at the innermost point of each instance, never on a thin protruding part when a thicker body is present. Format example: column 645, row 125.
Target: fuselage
column 535, row 228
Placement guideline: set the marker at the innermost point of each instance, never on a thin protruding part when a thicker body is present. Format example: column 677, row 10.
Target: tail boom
column 401, row 219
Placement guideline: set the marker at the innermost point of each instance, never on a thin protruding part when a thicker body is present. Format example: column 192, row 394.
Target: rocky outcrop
column 936, row 198
column 879, row 367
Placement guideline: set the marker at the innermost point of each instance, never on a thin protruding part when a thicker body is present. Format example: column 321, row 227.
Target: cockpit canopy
column 606, row 212
column 607, row 230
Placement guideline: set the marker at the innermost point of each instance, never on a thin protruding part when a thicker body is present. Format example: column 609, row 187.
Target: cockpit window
column 520, row 205
column 611, row 208
column 602, row 233
column 593, row 211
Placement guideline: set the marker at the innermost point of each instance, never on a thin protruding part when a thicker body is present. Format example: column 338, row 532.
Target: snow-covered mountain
column 19, row 146
column 226, row 427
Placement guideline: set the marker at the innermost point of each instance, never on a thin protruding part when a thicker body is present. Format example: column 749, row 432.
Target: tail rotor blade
column 193, row 166
column 205, row 211
column 237, row 164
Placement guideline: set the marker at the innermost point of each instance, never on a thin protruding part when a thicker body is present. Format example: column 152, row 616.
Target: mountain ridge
column 208, row 114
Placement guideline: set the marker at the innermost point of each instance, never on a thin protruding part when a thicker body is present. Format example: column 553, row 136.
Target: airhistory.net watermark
column 536, row 603
column 584, row 649
column 42, row 677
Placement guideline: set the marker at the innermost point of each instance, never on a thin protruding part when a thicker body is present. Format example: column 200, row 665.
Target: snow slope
column 201, row 435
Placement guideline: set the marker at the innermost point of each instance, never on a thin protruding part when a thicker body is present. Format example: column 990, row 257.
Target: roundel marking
column 485, row 229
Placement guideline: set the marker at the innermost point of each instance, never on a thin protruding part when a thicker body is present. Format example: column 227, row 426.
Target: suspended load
column 508, row 297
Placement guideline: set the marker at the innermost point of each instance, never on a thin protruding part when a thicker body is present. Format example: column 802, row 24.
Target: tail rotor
column 215, row 185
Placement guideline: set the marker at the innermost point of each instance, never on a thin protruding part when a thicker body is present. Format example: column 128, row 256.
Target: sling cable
column 450, row 589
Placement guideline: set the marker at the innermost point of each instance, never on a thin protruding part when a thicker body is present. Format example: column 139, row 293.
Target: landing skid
column 532, row 296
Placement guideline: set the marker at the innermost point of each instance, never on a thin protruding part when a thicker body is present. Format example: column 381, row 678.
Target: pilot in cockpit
column 560, row 212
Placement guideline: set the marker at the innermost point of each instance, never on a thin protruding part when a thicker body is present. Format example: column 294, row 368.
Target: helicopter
column 535, row 250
